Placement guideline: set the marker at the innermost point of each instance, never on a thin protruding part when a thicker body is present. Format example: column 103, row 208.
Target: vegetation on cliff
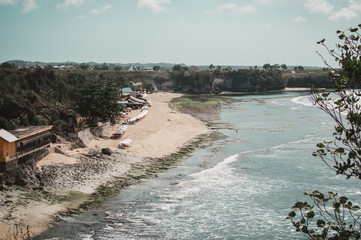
column 39, row 96
column 47, row 94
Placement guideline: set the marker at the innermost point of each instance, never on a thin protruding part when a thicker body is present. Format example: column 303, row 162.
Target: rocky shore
column 65, row 184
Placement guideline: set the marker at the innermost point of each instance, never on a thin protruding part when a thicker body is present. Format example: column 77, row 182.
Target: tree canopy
column 334, row 216
column 97, row 101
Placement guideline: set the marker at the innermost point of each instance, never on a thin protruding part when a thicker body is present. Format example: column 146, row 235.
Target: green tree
column 266, row 66
column 193, row 68
column 299, row 68
column 156, row 68
column 118, row 68
column 332, row 216
column 275, row 67
column 211, row 67
column 8, row 65
column 104, row 67
column 227, row 69
column 217, row 71
column 97, row 101
column 84, row 66
column 177, row 67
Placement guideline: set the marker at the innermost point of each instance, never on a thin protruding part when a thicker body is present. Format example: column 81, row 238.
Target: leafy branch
column 331, row 216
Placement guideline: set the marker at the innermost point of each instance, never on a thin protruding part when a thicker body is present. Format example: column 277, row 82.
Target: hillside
column 51, row 94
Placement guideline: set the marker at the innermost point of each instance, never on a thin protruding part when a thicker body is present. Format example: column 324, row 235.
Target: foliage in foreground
column 332, row 216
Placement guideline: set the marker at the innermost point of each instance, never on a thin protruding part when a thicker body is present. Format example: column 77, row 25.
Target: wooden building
column 18, row 144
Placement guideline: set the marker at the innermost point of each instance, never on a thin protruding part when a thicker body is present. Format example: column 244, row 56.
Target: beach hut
column 19, row 144
column 7, row 149
column 125, row 92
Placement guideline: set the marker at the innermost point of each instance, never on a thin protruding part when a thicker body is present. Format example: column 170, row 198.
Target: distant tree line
column 191, row 81
column 64, row 90
column 256, row 80
column 252, row 79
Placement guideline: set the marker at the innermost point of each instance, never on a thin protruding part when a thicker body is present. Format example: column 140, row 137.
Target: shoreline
column 293, row 89
column 88, row 177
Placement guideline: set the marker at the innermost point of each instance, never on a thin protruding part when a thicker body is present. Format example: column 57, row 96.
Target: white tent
column 133, row 68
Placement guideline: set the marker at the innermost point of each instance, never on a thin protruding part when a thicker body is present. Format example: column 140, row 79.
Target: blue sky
column 194, row 32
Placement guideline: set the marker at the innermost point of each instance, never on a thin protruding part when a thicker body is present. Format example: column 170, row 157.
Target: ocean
column 241, row 187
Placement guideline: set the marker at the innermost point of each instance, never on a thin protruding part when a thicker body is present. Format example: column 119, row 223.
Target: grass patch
column 188, row 103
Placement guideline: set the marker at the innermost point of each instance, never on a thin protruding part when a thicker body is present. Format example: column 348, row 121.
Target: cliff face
column 26, row 175
column 222, row 83
column 247, row 84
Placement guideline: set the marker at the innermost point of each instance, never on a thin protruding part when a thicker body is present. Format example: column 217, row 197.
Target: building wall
column 11, row 149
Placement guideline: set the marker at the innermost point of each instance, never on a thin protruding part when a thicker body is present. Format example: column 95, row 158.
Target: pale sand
column 160, row 133
column 297, row 89
column 54, row 158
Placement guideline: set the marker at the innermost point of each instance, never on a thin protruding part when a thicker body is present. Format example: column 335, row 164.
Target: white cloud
column 29, row 5
column 324, row 7
column 71, row 3
column 355, row 5
column 264, row 2
column 347, row 13
column 232, row 8
column 100, row 10
column 156, row 6
column 269, row 2
column 319, row 6
column 299, row 19
column 344, row 13
column 6, row 2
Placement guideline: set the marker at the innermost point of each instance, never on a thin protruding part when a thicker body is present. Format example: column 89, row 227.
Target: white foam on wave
column 219, row 170
column 307, row 139
column 219, row 176
column 302, row 100
column 305, row 101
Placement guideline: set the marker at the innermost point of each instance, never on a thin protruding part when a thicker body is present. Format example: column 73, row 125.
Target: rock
column 7, row 202
column 77, row 143
column 26, row 175
column 107, row 151
column 92, row 224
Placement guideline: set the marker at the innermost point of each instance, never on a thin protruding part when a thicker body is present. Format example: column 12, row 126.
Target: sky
column 193, row 32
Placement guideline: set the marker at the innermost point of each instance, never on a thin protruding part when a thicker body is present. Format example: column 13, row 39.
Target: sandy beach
column 162, row 132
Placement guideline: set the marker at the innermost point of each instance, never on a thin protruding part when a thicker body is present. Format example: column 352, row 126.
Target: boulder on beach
column 107, row 151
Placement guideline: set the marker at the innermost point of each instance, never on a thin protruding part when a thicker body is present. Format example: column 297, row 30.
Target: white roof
column 7, row 136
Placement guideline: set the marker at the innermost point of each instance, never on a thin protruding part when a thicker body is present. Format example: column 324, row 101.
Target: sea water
column 241, row 187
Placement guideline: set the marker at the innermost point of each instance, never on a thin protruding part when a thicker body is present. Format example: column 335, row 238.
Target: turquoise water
column 239, row 188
